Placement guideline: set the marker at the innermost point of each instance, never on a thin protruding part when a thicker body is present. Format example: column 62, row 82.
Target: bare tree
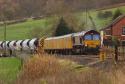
column 8, row 9
column 57, row 7
column 32, row 7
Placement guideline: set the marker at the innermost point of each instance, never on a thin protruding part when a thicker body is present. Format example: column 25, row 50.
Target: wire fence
column 113, row 50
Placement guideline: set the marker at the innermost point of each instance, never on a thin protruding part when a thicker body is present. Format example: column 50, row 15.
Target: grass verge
column 9, row 68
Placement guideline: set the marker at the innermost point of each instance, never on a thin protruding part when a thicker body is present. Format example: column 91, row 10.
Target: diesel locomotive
column 76, row 43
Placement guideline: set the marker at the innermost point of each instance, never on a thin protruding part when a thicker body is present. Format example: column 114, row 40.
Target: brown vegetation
column 51, row 70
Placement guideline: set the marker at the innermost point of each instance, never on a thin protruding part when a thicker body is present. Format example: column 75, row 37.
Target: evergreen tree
column 63, row 28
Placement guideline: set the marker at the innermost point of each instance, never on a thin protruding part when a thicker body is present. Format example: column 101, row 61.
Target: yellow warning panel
column 102, row 56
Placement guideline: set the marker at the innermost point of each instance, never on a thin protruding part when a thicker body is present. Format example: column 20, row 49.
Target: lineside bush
column 38, row 67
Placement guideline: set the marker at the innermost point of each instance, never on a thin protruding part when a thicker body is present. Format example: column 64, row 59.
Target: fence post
column 116, row 53
column 116, row 44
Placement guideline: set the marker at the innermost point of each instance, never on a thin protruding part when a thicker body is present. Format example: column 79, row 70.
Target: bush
column 108, row 14
column 105, row 14
column 46, row 69
column 35, row 33
column 90, row 76
column 39, row 67
column 100, row 14
column 117, row 14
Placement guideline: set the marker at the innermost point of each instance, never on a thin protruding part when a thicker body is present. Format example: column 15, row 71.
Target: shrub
column 108, row 14
column 50, row 70
column 100, row 14
column 89, row 76
column 105, row 14
column 39, row 67
column 35, row 33
column 117, row 14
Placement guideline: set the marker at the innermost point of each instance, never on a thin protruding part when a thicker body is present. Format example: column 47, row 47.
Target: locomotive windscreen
column 88, row 37
column 92, row 37
column 96, row 37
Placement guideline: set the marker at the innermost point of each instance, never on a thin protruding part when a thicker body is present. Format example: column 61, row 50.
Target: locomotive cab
column 92, row 41
column 86, row 41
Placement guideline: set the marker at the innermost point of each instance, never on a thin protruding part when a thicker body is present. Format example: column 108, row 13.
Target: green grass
column 22, row 30
column 122, row 8
column 9, row 68
column 100, row 23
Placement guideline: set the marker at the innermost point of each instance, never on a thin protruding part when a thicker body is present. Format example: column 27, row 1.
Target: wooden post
column 116, row 43
column 116, row 53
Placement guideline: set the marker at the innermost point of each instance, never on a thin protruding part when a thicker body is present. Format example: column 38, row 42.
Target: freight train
column 76, row 43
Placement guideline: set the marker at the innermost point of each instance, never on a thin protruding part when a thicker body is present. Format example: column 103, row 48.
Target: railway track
column 92, row 61
column 87, row 60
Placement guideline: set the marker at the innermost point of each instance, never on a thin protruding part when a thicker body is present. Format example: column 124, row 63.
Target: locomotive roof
column 70, row 35
column 79, row 33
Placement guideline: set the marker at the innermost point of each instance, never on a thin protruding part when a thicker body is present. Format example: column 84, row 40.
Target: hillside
column 23, row 30
column 15, row 9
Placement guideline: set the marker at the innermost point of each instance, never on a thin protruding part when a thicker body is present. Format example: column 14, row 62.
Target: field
column 100, row 23
column 22, row 30
column 9, row 68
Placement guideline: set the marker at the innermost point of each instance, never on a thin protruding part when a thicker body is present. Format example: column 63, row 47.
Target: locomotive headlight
column 86, row 45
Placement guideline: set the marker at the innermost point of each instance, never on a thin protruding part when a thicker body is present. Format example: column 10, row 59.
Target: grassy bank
column 22, row 30
column 9, row 69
